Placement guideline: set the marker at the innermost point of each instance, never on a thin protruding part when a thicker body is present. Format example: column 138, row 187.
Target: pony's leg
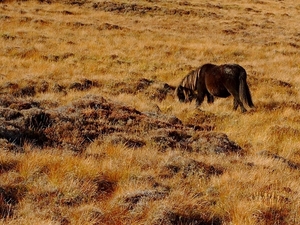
column 210, row 98
column 237, row 101
column 235, row 104
column 243, row 108
column 200, row 98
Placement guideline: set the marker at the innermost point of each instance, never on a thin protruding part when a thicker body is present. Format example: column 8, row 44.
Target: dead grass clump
column 36, row 119
column 280, row 133
column 123, row 7
column 10, row 196
column 219, row 143
column 199, row 119
column 160, row 91
column 28, row 126
column 27, row 88
column 10, row 114
column 6, row 166
column 149, row 88
column 132, row 199
column 127, row 141
column 85, row 84
column 91, row 101
column 289, row 163
column 6, row 145
column 188, row 167
column 272, row 215
column 27, row 53
column 105, row 187
column 88, row 214
column 108, row 26
column 26, row 91
column 172, row 217
column 171, row 139
column 57, row 58
column 23, row 89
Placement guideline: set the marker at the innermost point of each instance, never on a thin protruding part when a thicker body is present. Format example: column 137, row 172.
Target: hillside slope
column 90, row 131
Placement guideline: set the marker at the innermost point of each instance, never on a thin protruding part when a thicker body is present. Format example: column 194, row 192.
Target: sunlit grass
column 61, row 44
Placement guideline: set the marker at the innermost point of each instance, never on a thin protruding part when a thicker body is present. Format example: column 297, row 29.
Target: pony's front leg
column 210, row 98
column 200, row 99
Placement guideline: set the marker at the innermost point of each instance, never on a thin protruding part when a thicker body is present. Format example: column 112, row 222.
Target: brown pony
column 221, row 81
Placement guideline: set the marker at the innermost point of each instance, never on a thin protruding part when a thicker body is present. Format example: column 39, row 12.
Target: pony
column 216, row 81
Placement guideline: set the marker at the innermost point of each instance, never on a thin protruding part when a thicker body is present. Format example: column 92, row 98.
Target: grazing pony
column 220, row 81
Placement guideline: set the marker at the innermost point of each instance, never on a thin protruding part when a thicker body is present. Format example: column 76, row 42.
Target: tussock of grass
column 73, row 72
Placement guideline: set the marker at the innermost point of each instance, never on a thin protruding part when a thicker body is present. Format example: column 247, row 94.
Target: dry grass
column 110, row 42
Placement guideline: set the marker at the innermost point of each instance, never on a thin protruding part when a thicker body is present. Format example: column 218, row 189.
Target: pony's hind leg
column 237, row 102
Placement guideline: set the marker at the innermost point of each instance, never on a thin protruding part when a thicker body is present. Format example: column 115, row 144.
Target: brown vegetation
column 90, row 132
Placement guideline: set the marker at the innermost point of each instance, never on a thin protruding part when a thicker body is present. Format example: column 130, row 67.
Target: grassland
column 60, row 53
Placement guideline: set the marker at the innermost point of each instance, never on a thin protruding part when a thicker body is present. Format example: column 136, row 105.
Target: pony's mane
column 190, row 80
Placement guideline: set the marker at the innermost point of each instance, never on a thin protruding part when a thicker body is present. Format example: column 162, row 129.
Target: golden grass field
column 116, row 43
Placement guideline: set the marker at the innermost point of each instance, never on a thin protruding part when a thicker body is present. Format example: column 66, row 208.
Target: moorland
column 91, row 133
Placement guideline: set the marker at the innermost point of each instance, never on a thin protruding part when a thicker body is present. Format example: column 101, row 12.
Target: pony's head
column 184, row 94
column 179, row 92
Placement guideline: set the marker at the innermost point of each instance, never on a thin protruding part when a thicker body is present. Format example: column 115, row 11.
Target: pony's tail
column 245, row 94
